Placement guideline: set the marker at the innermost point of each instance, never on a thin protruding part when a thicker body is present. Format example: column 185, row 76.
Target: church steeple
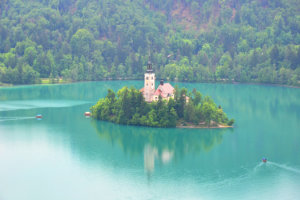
column 149, row 66
column 149, row 82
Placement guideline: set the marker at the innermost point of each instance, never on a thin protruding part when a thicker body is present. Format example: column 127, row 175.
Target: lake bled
column 68, row 156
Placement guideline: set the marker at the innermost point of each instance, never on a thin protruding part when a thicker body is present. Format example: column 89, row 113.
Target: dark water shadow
column 159, row 145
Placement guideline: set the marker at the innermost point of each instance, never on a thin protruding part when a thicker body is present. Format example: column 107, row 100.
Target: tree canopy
column 129, row 107
column 189, row 40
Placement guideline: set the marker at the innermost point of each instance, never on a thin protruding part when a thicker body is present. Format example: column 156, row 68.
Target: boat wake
column 285, row 167
column 32, row 104
column 258, row 166
column 252, row 173
column 248, row 174
column 4, row 119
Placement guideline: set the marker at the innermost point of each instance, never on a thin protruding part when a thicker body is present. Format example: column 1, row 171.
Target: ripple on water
column 31, row 104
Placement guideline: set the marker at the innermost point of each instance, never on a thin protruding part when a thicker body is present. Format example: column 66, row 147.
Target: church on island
column 165, row 90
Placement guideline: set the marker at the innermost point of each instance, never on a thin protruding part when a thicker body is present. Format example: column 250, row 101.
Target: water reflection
column 150, row 154
column 78, row 91
column 158, row 145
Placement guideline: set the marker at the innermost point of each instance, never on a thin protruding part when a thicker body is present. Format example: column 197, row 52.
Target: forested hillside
column 189, row 40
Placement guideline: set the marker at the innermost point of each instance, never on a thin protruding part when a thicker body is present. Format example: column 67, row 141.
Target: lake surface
column 67, row 156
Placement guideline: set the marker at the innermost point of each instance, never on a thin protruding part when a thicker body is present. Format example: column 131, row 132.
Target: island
column 164, row 107
column 129, row 107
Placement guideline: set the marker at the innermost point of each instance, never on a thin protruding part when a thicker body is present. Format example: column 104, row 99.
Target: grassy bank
column 53, row 81
column 5, row 85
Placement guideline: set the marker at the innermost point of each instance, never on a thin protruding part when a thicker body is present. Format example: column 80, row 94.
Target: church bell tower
column 149, row 83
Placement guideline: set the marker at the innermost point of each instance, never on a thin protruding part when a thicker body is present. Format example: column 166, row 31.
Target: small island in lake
column 164, row 107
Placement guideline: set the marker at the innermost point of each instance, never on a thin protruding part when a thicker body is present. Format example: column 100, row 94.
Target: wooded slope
column 189, row 40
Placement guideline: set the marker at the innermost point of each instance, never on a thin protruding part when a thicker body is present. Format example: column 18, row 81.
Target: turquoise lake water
column 67, row 156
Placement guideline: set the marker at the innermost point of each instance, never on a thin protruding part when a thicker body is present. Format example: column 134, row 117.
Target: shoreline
column 62, row 82
column 203, row 127
column 177, row 126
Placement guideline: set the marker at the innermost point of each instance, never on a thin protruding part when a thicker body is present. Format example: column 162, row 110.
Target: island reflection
column 159, row 145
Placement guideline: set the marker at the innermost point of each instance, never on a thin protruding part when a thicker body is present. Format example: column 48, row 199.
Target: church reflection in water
column 159, row 145
column 151, row 154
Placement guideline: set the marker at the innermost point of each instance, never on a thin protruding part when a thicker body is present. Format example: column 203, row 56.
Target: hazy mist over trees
column 189, row 40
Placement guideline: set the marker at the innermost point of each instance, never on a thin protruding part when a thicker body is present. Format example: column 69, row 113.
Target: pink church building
column 165, row 90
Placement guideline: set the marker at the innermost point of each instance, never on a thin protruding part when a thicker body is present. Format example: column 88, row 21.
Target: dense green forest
column 189, row 40
column 129, row 107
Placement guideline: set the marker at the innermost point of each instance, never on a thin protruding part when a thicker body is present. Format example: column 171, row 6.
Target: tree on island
column 129, row 107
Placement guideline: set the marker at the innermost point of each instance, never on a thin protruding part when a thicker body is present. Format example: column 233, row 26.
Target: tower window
column 147, row 78
column 152, row 78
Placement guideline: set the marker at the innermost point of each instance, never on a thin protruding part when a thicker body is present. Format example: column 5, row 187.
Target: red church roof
column 158, row 92
column 164, row 90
